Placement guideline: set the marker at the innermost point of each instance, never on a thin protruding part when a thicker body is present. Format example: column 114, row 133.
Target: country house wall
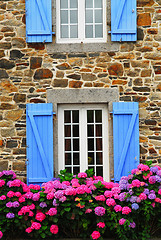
column 28, row 70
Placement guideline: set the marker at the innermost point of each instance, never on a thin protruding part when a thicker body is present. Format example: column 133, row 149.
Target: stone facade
column 28, row 70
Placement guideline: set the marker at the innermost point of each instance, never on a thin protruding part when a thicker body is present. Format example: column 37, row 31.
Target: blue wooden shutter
column 39, row 125
column 38, row 21
column 125, row 138
column 123, row 20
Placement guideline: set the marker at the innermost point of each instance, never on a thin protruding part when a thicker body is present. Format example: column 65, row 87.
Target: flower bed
column 82, row 206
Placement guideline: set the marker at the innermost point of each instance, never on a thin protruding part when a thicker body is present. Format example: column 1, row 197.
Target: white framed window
column 81, row 21
column 83, row 138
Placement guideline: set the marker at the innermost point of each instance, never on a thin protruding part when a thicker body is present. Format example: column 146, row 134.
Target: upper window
column 81, row 21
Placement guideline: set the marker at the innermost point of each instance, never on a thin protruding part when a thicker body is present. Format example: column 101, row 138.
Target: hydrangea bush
column 82, row 206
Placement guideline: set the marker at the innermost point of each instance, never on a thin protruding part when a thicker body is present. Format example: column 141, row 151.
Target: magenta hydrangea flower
column 122, row 221
column 1, row 234
column 100, row 198
column 2, row 183
column 117, row 208
column 82, row 175
column 101, row 224
column 52, row 212
column 35, row 225
column 10, row 215
column 54, row 229
column 126, row 210
column 95, row 235
column 110, row 202
column 152, row 179
column 40, row 216
column 99, row 211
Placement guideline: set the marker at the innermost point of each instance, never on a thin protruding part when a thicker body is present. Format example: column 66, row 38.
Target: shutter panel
column 38, row 21
column 125, row 138
column 123, row 20
column 39, row 125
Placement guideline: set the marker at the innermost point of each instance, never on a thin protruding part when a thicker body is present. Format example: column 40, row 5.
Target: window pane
column 98, row 3
column 98, row 16
column 99, row 171
column 89, row 16
column 99, row 158
column 73, row 16
column 91, row 158
column 90, row 131
column 67, row 131
column 67, row 158
column 64, row 32
column 99, row 31
column 64, row 16
column 69, row 169
column 98, row 144
column 75, row 130
column 73, row 3
column 67, row 117
column 98, row 130
column 76, row 170
column 75, row 115
column 89, row 3
column 73, row 31
column 89, row 31
column 63, row 3
column 76, row 159
column 67, row 145
column 98, row 116
column 90, row 144
column 75, row 144
column 90, row 116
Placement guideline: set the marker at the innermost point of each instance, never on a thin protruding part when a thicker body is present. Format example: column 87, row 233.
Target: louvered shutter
column 39, row 127
column 38, row 21
column 123, row 20
column 125, row 138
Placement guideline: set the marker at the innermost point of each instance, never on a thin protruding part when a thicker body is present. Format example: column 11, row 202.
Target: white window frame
column 83, row 135
column 81, row 25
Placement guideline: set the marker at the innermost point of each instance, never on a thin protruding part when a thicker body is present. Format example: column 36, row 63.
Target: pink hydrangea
column 83, row 189
column 34, row 187
column 52, row 212
column 159, row 191
column 116, row 190
column 99, row 211
column 50, row 195
column 28, row 195
column 126, row 210
column 136, row 183
column 95, row 235
column 15, row 183
column 108, row 194
column 117, row 208
column 143, row 196
column 35, row 225
column 101, row 224
column 82, row 175
column 147, row 176
column 36, row 196
column 122, row 221
column 17, row 194
column 2, row 183
column 54, row 229
column 21, row 199
column 70, row 192
column 110, row 202
column 88, row 210
column 1, row 234
column 143, row 167
column 3, row 197
column 100, row 198
column 40, row 216
column 109, row 185
column 152, row 179
column 10, row 194
column 28, row 230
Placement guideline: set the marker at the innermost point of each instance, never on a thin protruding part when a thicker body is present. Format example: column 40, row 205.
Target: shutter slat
column 38, row 21
column 123, row 20
column 39, row 125
column 125, row 137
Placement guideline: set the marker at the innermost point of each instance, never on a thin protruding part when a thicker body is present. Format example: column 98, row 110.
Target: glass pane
column 73, row 3
column 69, row 169
column 67, row 117
column 98, row 130
column 89, row 16
column 98, row 16
column 67, row 131
column 68, row 159
column 90, row 131
column 99, row 171
column 99, row 31
column 90, row 116
column 64, row 32
column 98, row 144
column 99, row 158
column 89, row 3
column 75, row 144
column 90, row 144
column 75, row 130
column 73, row 16
column 76, row 170
column 74, row 31
column 98, row 3
column 75, row 115
column 63, row 3
column 89, row 31
column 64, row 16
column 76, row 159
column 91, row 158
column 67, row 145
column 98, row 116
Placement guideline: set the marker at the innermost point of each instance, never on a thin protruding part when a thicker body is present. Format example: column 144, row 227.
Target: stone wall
column 28, row 70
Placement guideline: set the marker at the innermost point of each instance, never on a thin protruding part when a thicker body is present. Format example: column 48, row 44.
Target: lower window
column 83, row 138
